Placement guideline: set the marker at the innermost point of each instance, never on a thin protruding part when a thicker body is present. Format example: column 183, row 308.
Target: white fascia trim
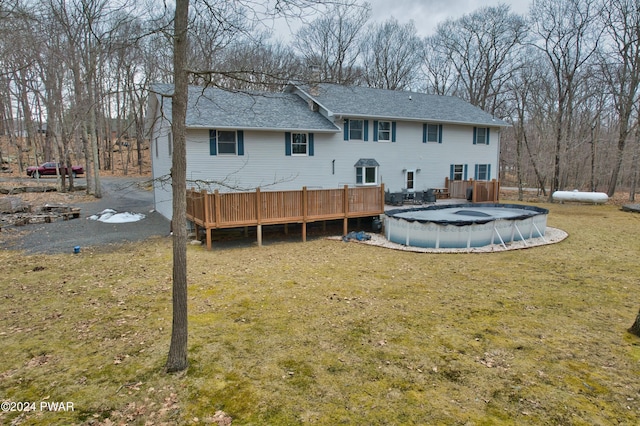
column 265, row 129
column 419, row 120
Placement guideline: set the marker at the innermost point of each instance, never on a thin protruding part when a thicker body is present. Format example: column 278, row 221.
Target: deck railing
column 481, row 191
column 237, row 209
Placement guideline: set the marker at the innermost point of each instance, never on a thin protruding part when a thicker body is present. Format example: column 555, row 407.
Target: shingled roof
column 224, row 109
column 366, row 102
column 289, row 111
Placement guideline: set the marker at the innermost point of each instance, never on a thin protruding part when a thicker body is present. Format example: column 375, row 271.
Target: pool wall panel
column 427, row 234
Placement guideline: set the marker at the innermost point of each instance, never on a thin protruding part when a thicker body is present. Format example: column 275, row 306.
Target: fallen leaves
column 496, row 359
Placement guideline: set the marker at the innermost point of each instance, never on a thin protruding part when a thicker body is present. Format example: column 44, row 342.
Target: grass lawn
column 327, row 332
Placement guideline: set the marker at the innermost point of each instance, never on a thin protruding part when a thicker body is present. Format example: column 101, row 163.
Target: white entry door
column 410, row 182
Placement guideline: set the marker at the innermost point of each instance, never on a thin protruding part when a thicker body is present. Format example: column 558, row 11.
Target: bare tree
column 481, row 46
column 391, row 55
column 177, row 358
column 567, row 37
column 635, row 164
column 332, row 42
column 620, row 66
column 522, row 88
column 439, row 71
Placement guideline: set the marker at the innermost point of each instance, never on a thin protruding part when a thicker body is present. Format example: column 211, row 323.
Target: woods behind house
column 74, row 75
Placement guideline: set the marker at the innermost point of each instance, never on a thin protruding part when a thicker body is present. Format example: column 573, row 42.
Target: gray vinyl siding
column 264, row 163
column 161, row 166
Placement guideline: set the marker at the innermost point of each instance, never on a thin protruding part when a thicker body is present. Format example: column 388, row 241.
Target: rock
column 13, row 205
column 221, row 418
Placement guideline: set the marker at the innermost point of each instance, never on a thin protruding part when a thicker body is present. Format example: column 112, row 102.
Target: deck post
column 258, row 218
column 345, row 222
column 305, row 207
column 206, row 220
column 474, row 191
column 205, row 208
column 216, row 203
column 216, row 218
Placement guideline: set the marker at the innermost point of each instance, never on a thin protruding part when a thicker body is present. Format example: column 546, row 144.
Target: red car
column 50, row 169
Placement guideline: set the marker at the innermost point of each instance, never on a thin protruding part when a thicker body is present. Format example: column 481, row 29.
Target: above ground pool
column 465, row 225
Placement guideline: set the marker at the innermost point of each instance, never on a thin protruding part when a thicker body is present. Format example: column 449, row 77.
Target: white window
column 458, row 172
column 367, row 171
column 432, row 133
column 366, row 175
column 481, row 136
column 410, row 180
column 384, row 131
column 226, row 142
column 356, row 130
column 482, row 171
column 299, row 144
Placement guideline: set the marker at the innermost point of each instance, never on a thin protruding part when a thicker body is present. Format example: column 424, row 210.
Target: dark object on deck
column 394, row 198
column 429, row 196
column 470, row 194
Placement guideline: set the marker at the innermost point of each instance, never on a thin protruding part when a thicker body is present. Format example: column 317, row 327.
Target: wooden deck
column 241, row 209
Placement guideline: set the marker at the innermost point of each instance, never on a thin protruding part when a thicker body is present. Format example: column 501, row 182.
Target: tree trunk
column 28, row 119
column 555, row 181
column 622, row 138
column 635, row 328
column 634, row 166
column 535, row 165
column 177, row 359
column 96, row 167
column 592, row 177
column 519, row 165
column 93, row 142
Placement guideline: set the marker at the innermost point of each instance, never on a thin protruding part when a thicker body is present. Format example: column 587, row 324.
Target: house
column 323, row 136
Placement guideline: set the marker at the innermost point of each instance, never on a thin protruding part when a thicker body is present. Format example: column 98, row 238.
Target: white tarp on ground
column 112, row 216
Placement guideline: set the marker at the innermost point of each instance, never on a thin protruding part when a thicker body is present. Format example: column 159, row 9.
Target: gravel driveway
column 120, row 194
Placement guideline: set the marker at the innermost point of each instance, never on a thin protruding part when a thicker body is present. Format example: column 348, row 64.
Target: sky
column 426, row 14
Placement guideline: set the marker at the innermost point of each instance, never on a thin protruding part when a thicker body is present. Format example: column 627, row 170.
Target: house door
column 410, row 180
